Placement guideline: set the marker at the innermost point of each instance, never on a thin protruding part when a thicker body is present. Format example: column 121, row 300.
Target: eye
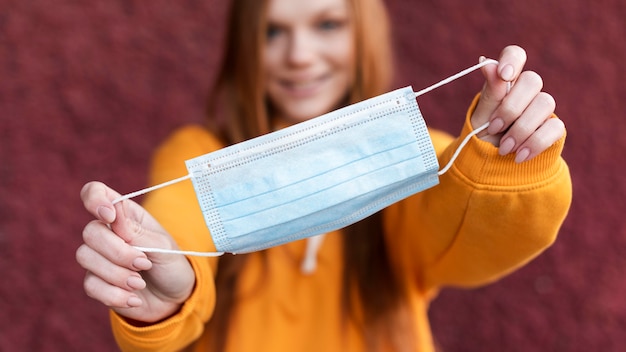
column 273, row 31
column 329, row 25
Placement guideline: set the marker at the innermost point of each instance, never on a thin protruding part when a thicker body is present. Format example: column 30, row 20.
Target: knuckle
column 94, row 289
column 540, row 142
column 556, row 125
column 87, row 189
column 532, row 78
column 515, row 55
column 524, row 128
column 518, row 52
column 509, row 108
column 116, row 298
column 546, row 100
column 90, row 285
column 522, row 53
column 89, row 231
column 550, row 132
column 82, row 255
column 120, row 255
column 560, row 124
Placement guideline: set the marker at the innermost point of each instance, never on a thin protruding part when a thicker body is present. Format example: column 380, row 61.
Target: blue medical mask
column 317, row 176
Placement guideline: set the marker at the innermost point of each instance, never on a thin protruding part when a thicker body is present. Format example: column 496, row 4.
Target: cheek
column 342, row 54
column 267, row 70
column 268, row 80
column 271, row 61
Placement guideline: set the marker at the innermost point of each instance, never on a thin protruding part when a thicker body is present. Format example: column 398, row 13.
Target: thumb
column 128, row 224
column 97, row 200
column 135, row 226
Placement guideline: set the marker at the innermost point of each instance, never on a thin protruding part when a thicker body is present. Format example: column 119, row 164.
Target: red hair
column 239, row 94
column 240, row 99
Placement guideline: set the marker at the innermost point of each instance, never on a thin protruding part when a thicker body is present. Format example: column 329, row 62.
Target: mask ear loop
column 177, row 251
column 477, row 130
column 162, row 250
column 150, row 189
column 461, row 146
column 308, row 266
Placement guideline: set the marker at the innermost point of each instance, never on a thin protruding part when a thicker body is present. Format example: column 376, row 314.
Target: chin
column 300, row 116
column 303, row 111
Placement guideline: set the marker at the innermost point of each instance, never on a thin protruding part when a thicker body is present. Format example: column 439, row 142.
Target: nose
column 301, row 49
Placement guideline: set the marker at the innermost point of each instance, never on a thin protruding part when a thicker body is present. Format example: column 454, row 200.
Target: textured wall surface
column 88, row 89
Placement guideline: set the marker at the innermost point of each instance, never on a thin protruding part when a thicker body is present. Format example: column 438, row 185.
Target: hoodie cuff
column 480, row 163
column 186, row 325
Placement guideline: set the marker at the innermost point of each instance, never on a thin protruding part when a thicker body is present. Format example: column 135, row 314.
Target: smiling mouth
column 304, row 88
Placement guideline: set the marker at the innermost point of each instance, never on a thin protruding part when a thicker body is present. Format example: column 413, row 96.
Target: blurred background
column 88, row 89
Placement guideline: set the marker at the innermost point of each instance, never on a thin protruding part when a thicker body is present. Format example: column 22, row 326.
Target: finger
column 494, row 90
column 516, row 102
column 97, row 199
column 536, row 113
column 547, row 134
column 511, row 63
column 113, row 274
column 101, row 239
column 497, row 83
column 109, row 295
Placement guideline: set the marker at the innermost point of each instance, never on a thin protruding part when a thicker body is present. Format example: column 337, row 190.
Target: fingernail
column 107, row 214
column 481, row 59
column 522, row 155
column 136, row 282
column 506, row 146
column 134, row 301
column 141, row 263
column 495, row 126
column 507, row 73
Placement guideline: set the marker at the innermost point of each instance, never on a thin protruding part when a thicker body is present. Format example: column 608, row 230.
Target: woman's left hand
column 521, row 120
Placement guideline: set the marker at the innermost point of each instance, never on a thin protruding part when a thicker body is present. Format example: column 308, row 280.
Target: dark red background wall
column 88, row 89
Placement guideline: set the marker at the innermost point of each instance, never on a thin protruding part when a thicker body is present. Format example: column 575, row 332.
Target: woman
column 287, row 61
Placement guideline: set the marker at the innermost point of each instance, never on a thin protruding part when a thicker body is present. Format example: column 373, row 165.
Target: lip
column 303, row 88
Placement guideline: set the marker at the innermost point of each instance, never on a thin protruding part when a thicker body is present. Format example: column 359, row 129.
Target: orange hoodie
column 486, row 218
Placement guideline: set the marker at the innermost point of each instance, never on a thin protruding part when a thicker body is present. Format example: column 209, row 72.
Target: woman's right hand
column 142, row 287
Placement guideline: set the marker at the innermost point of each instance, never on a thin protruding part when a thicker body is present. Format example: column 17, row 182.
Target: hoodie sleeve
column 486, row 218
column 177, row 209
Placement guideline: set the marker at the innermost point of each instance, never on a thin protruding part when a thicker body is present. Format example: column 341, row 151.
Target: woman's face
column 309, row 57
